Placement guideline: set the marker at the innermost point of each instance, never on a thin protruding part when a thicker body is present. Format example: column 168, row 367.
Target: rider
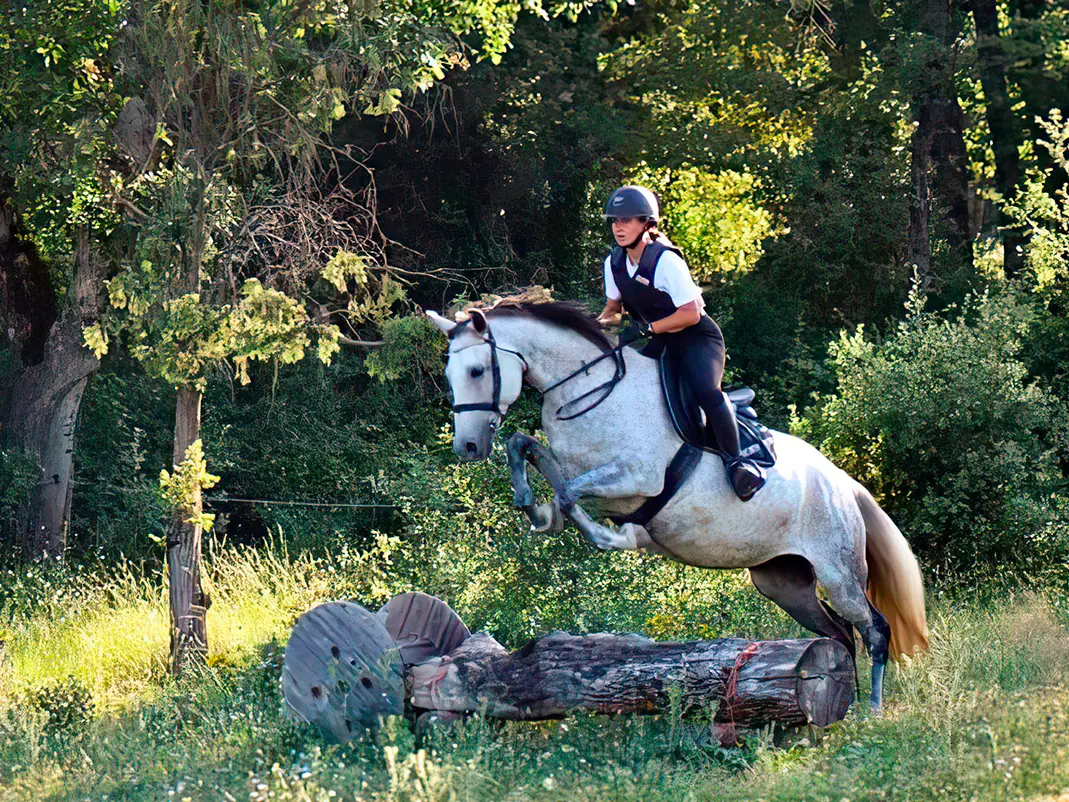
column 647, row 274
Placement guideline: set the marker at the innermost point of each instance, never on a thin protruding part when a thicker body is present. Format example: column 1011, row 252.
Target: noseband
column 495, row 371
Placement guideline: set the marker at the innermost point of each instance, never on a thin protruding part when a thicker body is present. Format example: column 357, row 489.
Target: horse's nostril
column 472, row 448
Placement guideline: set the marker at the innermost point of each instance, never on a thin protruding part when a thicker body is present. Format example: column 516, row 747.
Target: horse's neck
column 552, row 353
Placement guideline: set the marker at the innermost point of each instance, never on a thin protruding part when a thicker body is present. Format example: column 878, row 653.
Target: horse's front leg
column 628, row 536
column 616, row 479
column 520, row 449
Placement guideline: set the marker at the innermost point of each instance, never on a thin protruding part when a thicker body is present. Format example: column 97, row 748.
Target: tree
column 1005, row 130
column 56, row 103
column 938, row 162
column 235, row 203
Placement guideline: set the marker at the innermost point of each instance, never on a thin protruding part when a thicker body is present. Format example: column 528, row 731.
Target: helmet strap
column 638, row 239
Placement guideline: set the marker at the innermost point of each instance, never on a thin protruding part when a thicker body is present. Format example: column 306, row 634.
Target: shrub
column 941, row 421
column 66, row 704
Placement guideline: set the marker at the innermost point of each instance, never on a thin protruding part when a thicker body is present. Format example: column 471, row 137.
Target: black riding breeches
column 699, row 352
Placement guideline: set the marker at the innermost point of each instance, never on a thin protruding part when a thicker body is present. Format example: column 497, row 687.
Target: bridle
column 494, row 405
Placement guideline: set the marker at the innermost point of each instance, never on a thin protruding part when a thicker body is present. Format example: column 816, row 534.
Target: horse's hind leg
column 846, row 592
column 791, row 583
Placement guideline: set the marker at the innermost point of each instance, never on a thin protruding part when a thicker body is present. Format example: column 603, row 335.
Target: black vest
column 642, row 301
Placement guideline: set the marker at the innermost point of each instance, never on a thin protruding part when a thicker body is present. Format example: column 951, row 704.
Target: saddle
column 755, row 439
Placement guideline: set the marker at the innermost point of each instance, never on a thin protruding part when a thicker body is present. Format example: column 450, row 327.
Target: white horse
column 810, row 523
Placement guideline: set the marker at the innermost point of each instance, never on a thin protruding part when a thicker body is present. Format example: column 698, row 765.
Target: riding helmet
column 632, row 201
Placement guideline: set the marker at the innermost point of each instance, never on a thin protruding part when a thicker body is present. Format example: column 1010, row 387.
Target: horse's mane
column 566, row 314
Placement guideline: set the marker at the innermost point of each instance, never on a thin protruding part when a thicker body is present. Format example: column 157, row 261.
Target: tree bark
column 1004, row 130
column 938, row 165
column 188, row 602
column 41, row 413
column 791, row 682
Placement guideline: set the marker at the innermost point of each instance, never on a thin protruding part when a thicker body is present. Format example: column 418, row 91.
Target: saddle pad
column 688, row 419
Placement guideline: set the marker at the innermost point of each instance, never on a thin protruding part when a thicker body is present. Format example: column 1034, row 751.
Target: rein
column 494, row 405
column 607, row 386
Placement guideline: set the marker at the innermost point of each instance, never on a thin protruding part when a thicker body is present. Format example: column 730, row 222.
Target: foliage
column 17, row 474
column 1045, row 214
column 714, row 218
column 67, row 705
column 941, row 421
column 179, row 489
column 411, row 347
column 181, row 338
column 722, row 117
column 489, row 180
column 57, row 104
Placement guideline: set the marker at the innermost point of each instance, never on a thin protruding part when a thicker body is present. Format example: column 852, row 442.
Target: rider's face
column 627, row 229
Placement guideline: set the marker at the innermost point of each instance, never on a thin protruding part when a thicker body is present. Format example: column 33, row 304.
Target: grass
column 87, row 710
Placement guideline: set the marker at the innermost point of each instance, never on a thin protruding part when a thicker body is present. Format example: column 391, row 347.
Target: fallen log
column 750, row 683
column 345, row 668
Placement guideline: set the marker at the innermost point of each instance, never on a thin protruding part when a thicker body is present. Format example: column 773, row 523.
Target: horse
column 811, row 523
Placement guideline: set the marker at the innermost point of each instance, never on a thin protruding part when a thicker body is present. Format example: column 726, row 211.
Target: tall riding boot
column 746, row 479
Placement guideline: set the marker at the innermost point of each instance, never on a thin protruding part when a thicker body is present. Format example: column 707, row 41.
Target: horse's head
column 485, row 379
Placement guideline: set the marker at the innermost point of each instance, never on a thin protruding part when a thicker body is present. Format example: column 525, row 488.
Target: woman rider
column 646, row 274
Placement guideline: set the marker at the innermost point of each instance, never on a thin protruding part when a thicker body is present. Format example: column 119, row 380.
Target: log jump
column 345, row 667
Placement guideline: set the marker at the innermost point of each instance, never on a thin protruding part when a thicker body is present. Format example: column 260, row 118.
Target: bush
column 943, row 424
column 66, row 705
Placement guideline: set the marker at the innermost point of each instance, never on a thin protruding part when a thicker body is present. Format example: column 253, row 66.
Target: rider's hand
column 634, row 330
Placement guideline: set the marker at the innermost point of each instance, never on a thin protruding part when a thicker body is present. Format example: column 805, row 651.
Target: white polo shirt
column 671, row 275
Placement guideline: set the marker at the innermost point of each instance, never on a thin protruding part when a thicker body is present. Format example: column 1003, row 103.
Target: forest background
column 219, row 222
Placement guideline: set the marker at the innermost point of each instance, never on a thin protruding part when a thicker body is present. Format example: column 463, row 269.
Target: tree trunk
column 189, row 603
column 1004, row 129
column 938, row 167
column 41, row 414
column 791, row 682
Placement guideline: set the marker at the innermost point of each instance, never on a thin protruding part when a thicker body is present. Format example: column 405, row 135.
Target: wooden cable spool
column 344, row 666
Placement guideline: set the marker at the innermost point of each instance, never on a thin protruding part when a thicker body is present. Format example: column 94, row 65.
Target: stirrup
column 746, row 479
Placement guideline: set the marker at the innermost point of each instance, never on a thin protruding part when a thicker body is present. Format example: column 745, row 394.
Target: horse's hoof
column 522, row 499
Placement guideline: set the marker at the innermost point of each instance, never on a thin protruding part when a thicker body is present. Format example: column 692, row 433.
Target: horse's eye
column 476, row 372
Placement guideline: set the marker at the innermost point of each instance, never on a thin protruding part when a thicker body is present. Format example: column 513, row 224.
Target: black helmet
column 632, row 201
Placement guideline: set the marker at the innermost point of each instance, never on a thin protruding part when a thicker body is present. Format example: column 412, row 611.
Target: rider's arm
column 684, row 316
column 610, row 315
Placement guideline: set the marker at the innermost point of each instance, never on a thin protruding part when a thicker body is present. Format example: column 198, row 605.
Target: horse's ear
column 443, row 323
column 478, row 320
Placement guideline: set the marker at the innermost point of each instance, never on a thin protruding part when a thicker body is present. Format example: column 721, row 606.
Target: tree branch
column 360, row 343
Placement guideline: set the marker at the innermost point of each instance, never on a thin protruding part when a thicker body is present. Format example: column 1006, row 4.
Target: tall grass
column 87, row 709
column 108, row 628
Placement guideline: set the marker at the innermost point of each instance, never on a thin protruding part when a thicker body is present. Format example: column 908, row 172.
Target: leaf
column 96, row 339
column 343, row 266
column 389, row 102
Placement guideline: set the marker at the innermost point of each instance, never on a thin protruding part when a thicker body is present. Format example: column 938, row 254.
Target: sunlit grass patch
column 114, row 639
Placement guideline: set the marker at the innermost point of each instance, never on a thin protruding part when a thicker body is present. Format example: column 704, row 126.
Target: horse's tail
column 895, row 586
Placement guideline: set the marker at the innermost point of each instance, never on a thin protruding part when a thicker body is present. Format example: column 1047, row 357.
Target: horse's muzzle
column 471, row 450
